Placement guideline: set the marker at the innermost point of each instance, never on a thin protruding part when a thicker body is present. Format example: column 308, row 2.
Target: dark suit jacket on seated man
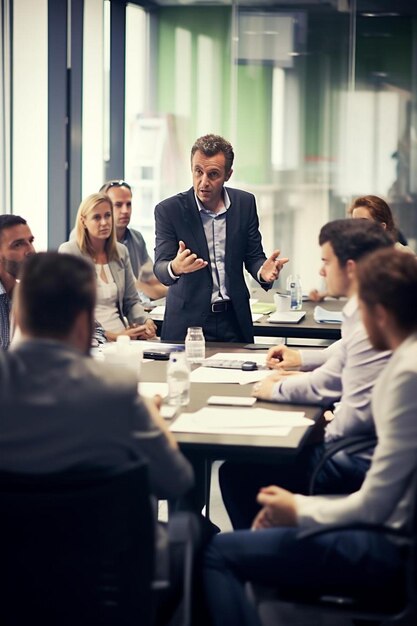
column 360, row 561
column 61, row 409
column 204, row 236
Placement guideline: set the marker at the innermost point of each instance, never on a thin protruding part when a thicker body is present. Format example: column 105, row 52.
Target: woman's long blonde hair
column 82, row 235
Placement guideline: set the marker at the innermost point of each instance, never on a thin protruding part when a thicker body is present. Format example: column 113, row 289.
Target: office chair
column 391, row 604
column 173, row 596
column 76, row 549
column 353, row 445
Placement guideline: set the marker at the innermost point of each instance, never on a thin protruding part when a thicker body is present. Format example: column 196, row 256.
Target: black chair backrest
column 76, row 549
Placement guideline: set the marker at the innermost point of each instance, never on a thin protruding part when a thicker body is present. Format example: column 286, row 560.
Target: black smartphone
column 257, row 346
column 157, row 355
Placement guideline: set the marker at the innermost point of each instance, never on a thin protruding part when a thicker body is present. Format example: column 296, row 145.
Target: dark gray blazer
column 189, row 297
column 62, row 410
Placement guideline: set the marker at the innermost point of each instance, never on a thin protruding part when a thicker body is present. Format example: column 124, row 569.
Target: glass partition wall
column 318, row 102
column 318, row 97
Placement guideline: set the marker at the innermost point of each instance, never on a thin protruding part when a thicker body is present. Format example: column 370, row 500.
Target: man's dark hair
column 352, row 239
column 8, row 221
column 210, row 145
column 389, row 278
column 54, row 288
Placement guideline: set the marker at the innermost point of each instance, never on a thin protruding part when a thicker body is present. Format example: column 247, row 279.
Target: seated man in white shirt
column 361, row 561
column 347, row 373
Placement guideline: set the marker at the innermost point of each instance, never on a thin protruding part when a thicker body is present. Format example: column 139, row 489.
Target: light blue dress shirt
column 386, row 495
column 346, row 378
column 214, row 225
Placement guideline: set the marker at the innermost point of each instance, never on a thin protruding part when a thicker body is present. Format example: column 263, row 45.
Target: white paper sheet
column 256, row 316
column 240, row 356
column 327, row 317
column 149, row 390
column 158, row 313
column 222, row 375
column 240, row 421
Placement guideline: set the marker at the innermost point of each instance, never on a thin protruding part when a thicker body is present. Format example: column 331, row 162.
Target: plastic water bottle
column 296, row 293
column 195, row 345
column 178, row 378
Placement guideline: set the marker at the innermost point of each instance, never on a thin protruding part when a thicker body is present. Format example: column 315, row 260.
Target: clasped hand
column 279, row 508
column 141, row 331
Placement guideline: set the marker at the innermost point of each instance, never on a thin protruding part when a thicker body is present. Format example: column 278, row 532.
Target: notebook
column 286, row 317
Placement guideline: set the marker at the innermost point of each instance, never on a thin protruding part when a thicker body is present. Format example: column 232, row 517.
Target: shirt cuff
column 171, row 273
column 276, row 392
column 308, row 362
column 261, row 280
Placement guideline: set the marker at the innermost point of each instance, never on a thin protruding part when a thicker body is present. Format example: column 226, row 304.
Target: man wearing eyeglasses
column 120, row 194
column 16, row 243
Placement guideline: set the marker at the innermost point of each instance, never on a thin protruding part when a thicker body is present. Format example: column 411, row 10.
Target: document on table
column 323, row 316
column 259, row 359
column 240, row 421
column 262, row 307
column 158, row 313
column 256, row 317
column 222, row 375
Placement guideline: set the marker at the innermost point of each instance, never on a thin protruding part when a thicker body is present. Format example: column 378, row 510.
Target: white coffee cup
column 282, row 302
column 125, row 356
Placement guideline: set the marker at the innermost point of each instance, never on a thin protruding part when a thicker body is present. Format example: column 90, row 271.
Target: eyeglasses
column 115, row 183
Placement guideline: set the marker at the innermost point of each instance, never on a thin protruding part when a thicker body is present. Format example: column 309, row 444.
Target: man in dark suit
column 204, row 237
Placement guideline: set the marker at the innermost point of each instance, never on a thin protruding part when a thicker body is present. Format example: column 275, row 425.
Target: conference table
column 203, row 448
column 216, row 446
column 307, row 328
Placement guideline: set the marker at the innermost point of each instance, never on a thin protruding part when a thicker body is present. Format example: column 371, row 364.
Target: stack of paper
column 240, row 421
column 322, row 316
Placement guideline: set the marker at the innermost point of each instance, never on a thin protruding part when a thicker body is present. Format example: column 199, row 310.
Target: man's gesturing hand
column 186, row 261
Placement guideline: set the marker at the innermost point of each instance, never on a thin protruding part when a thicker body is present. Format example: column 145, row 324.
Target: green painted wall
column 322, row 74
column 252, row 144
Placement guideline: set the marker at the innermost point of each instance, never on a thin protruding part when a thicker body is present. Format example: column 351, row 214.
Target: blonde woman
column 117, row 298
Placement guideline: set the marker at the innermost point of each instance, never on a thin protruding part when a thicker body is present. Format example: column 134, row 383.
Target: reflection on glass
column 307, row 136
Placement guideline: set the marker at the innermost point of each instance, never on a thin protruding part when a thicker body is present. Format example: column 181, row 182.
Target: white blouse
column 107, row 312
